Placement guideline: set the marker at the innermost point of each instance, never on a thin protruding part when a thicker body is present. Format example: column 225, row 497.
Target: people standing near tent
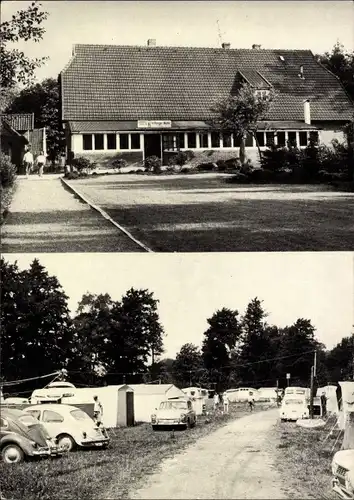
column 225, row 399
column 28, row 162
column 324, row 404
column 250, row 401
column 40, row 163
column 216, row 401
column 97, row 411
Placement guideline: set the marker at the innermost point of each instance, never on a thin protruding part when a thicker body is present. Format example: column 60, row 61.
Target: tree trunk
column 243, row 150
column 258, row 147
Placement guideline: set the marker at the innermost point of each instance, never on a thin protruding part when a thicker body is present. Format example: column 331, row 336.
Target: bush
column 81, row 163
column 207, row 167
column 261, row 175
column 232, row 164
column 185, row 170
column 238, row 179
column 181, row 158
column 119, row 163
column 152, row 163
column 7, row 171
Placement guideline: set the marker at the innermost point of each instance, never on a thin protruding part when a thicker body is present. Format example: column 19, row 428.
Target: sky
column 190, row 287
column 302, row 24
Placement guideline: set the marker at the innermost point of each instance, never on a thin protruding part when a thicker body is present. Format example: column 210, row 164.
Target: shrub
column 233, row 164
column 140, row 171
column 153, row 163
column 261, row 175
column 7, row 171
column 81, row 163
column 181, row 158
column 238, row 179
column 185, row 170
column 207, row 167
column 119, row 163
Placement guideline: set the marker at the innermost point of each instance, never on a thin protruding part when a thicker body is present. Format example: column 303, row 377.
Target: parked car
column 293, row 408
column 53, row 392
column 343, row 474
column 15, row 401
column 71, row 426
column 174, row 413
column 23, row 437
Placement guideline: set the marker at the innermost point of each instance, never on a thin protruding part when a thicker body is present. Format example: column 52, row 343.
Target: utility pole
column 312, row 385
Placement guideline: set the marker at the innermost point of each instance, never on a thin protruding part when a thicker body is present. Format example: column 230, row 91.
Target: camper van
column 54, row 391
column 297, row 391
column 241, row 394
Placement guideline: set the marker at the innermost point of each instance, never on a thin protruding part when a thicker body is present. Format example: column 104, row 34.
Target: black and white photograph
column 177, row 249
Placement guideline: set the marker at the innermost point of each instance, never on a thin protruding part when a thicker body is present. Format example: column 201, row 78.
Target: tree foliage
column 43, row 99
column 188, row 366
column 341, row 63
column 340, row 360
column 25, row 25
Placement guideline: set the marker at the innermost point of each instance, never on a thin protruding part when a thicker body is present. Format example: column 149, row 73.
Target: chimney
column 256, row 46
column 301, row 74
column 151, row 42
column 307, row 112
column 226, row 46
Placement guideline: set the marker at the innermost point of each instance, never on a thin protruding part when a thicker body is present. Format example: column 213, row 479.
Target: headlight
column 334, row 468
column 349, row 480
column 34, row 444
column 153, row 418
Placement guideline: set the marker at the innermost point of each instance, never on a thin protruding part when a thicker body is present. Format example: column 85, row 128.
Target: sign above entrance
column 154, row 124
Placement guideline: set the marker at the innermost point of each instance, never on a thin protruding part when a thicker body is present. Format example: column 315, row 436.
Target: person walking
column 40, row 163
column 28, row 162
column 216, row 400
column 225, row 399
column 250, row 401
column 97, row 411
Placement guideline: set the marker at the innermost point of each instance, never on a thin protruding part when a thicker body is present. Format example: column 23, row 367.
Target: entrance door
column 130, row 409
column 152, row 145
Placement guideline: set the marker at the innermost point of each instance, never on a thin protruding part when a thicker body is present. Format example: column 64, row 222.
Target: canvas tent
column 198, row 396
column 347, row 403
column 147, row 397
column 330, row 391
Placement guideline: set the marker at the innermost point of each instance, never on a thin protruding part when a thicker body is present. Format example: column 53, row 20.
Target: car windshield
column 294, row 401
column 79, row 415
column 173, row 405
column 28, row 420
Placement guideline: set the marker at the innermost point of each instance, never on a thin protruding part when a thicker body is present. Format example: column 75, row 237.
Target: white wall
column 145, row 404
column 76, row 143
column 326, row 136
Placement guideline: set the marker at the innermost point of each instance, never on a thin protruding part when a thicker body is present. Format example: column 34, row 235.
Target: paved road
column 233, row 462
column 45, row 217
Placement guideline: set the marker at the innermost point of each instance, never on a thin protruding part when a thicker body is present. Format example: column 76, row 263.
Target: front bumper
column 169, row 422
column 94, row 442
column 341, row 490
column 48, row 452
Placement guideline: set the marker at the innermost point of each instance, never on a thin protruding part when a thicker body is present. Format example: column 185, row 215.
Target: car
column 15, row 401
column 174, row 413
column 71, row 426
column 53, row 392
column 294, row 408
column 23, row 437
column 343, row 474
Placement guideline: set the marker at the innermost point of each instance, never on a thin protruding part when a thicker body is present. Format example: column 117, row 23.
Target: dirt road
column 233, row 462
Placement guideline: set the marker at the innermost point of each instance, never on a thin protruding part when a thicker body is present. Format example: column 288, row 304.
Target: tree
column 340, row 360
column 25, row 25
column 240, row 114
column 341, row 63
column 220, row 339
column 37, row 337
column 187, row 366
column 43, row 99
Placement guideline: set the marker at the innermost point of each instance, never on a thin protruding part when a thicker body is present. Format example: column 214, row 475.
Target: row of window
column 197, row 140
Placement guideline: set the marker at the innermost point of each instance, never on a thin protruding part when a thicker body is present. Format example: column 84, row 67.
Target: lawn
column 304, row 459
column 206, row 213
column 133, row 453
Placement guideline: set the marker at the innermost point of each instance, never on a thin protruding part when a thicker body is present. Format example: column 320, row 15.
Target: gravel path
column 236, row 461
column 45, row 217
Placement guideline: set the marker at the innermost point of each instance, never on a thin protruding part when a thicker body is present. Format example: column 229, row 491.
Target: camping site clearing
column 190, row 213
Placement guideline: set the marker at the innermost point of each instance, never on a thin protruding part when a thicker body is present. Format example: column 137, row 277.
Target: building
column 133, row 102
column 22, row 125
column 147, row 397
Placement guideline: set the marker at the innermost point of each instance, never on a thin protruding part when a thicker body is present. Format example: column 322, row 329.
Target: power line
column 16, row 382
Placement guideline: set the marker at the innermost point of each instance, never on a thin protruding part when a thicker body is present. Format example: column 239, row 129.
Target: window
column 28, row 420
column 260, row 138
column 191, row 140
column 269, row 138
column 80, row 415
column 87, row 142
column 203, row 140
column 180, row 141
column 314, row 137
column 52, row 416
column 99, row 141
column 35, row 413
column 124, row 141
column 281, row 138
column 168, row 142
column 237, row 141
column 262, row 93
column 111, row 141
column 226, row 140
column 215, row 140
column 3, row 423
column 303, row 138
column 249, row 141
column 292, row 138
column 135, row 141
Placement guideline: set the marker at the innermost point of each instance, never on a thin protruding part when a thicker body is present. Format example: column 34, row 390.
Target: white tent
column 330, row 391
column 198, row 396
column 347, row 403
column 147, row 397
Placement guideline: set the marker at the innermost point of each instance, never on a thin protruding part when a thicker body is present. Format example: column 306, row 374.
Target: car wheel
column 66, row 441
column 12, row 454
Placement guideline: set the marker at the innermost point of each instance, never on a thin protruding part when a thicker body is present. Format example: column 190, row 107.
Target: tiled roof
column 7, row 129
column 20, row 122
column 107, row 82
column 255, row 79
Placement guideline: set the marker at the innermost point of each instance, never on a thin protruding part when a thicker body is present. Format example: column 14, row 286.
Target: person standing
column 97, row 411
column 250, row 401
column 28, row 162
column 40, row 163
column 225, row 399
column 216, row 401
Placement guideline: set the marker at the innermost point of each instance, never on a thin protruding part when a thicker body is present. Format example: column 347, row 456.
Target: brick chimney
column 307, row 112
column 256, row 46
column 151, row 42
column 301, row 74
column 226, row 46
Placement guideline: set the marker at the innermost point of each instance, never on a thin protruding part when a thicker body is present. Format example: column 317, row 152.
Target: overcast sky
column 191, row 287
column 304, row 24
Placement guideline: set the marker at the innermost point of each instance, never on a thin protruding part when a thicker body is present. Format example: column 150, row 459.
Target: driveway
column 45, row 217
column 236, row 461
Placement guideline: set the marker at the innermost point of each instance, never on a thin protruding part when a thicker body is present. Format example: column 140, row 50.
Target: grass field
column 206, row 213
column 304, row 459
column 133, row 453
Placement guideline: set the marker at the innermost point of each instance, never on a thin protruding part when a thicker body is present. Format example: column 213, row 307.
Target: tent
column 330, row 391
column 147, row 397
column 347, row 406
column 198, row 396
